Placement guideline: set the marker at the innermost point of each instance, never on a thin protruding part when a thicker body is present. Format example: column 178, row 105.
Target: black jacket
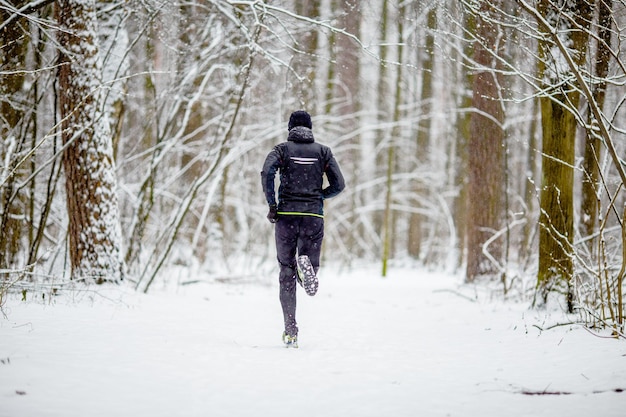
column 302, row 163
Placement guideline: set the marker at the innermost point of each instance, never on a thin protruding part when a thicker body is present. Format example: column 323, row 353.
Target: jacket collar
column 301, row 134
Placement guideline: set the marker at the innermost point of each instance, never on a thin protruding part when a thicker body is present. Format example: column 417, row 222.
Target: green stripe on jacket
column 295, row 213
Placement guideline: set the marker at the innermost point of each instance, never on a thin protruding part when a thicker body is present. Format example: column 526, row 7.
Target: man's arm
column 335, row 179
column 270, row 167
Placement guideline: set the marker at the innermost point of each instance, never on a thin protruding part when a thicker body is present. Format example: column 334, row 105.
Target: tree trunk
column 114, row 43
column 94, row 229
column 530, row 187
column 302, row 80
column 486, row 153
column 556, row 197
column 423, row 132
column 14, row 40
column 346, row 96
column 388, row 220
column 348, row 70
column 559, row 134
column 591, row 158
column 463, row 130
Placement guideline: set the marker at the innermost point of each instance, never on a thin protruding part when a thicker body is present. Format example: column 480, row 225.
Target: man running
column 298, row 214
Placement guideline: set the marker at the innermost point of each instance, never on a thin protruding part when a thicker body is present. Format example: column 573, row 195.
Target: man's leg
column 310, row 239
column 286, row 243
column 309, row 249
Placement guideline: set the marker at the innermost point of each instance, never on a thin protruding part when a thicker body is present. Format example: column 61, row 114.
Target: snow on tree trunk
column 113, row 45
column 94, row 228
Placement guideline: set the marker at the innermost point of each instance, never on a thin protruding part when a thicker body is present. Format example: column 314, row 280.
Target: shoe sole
column 306, row 273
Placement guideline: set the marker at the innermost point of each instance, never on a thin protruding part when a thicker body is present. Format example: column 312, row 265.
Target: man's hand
column 272, row 215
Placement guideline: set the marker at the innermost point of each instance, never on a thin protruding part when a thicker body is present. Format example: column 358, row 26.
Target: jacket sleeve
column 270, row 167
column 336, row 182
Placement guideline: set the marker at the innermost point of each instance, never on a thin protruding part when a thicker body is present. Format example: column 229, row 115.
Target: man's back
column 302, row 163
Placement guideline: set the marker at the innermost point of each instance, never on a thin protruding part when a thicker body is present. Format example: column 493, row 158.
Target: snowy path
column 403, row 346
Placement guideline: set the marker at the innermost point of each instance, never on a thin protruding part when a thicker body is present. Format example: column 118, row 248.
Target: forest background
column 483, row 137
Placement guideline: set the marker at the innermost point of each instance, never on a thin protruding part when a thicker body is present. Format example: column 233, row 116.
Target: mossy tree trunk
column 14, row 38
column 558, row 107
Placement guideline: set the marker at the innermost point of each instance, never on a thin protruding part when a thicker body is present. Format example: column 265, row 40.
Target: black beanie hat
column 300, row 118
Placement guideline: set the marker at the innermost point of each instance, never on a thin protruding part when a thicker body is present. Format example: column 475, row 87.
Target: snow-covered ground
column 413, row 344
